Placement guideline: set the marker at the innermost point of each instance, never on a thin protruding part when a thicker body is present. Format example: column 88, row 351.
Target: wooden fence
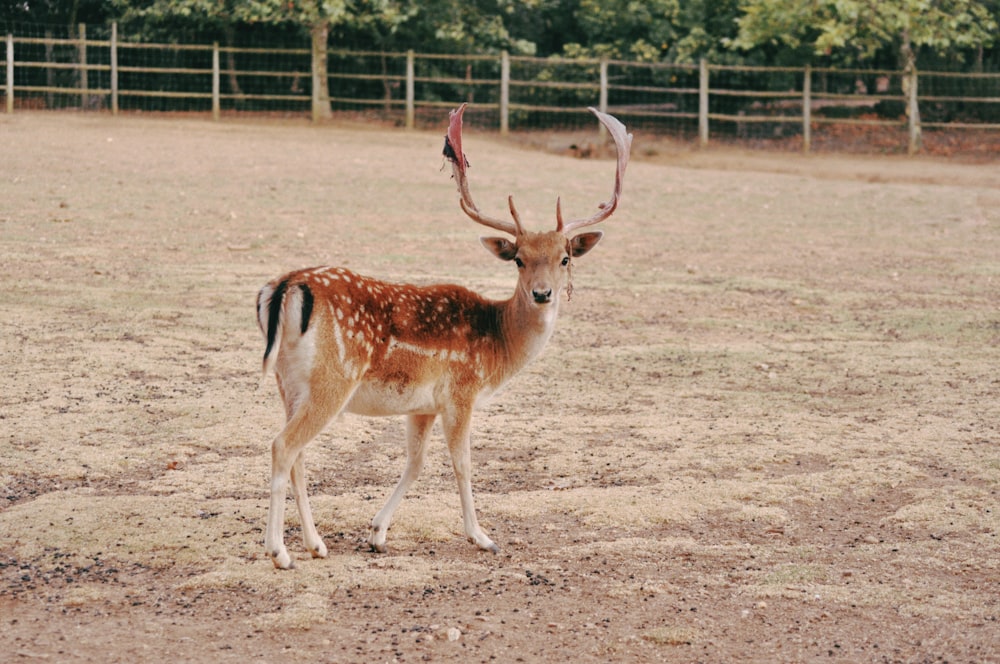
column 510, row 90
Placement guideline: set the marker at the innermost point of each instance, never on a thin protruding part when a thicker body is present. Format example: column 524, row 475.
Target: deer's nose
column 542, row 296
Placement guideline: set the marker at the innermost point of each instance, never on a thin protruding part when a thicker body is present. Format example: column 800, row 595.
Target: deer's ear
column 500, row 247
column 584, row 242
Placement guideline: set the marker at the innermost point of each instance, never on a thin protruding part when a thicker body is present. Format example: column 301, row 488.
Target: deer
column 338, row 342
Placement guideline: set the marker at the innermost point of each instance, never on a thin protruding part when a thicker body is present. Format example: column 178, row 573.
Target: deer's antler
column 623, row 144
column 459, row 165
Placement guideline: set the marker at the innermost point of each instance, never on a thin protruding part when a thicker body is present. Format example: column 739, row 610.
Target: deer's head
column 543, row 259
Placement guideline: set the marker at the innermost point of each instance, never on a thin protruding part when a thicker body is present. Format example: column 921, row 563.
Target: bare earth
column 767, row 428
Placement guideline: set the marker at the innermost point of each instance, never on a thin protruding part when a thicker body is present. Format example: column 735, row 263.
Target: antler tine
column 623, row 144
column 459, row 164
column 515, row 216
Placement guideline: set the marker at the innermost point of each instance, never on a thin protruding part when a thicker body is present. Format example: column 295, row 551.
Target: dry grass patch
column 769, row 414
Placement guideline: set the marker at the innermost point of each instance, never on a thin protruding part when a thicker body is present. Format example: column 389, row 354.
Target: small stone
column 454, row 634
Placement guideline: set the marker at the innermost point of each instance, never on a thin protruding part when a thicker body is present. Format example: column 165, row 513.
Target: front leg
column 456, row 430
column 418, row 430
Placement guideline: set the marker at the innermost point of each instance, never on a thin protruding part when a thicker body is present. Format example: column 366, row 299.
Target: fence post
column 504, row 93
column 50, row 74
column 807, row 109
column 912, row 108
column 602, row 102
column 411, row 95
column 602, row 99
column 114, row 68
column 10, row 73
column 703, row 102
column 84, row 78
column 216, row 102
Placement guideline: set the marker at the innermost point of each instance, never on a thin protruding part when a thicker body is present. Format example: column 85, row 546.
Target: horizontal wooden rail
column 267, row 72
column 165, row 70
column 57, row 90
column 63, row 65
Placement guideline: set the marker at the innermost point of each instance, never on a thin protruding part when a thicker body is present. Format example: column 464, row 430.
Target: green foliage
column 56, row 12
column 702, row 26
column 625, row 29
column 889, row 33
column 855, row 31
column 217, row 13
column 653, row 31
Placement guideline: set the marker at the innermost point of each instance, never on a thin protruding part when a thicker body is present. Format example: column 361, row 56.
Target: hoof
column 280, row 557
column 279, row 563
column 488, row 545
column 376, row 542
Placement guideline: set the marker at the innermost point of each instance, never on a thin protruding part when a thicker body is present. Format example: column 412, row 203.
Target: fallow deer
column 339, row 341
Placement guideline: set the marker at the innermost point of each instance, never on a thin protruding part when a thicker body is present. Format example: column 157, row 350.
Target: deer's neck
column 526, row 329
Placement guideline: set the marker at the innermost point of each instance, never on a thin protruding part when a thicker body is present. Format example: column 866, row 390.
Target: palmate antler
column 623, row 145
column 459, row 165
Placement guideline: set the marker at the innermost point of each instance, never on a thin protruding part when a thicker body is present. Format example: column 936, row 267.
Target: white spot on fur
column 338, row 339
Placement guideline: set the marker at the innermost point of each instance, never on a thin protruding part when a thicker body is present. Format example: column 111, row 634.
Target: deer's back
column 408, row 349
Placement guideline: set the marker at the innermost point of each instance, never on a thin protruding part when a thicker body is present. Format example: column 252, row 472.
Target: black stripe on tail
column 273, row 314
column 307, row 306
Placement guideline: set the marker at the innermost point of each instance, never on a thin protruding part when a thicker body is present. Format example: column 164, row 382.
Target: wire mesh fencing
column 89, row 68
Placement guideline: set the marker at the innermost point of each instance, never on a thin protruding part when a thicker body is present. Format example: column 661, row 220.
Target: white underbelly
column 378, row 400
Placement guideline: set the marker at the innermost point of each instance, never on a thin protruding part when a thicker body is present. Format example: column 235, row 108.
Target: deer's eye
column 565, row 261
column 519, row 263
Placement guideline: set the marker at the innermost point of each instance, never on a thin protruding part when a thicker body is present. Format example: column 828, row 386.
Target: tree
column 541, row 27
column 650, row 30
column 312, row 16
column 702, row 28
column 454, row 26
column 629, row 29
column 56, row 12
column 854, row 31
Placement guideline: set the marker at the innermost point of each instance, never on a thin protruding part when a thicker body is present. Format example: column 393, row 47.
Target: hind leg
column 310, row 537
column 307, row 420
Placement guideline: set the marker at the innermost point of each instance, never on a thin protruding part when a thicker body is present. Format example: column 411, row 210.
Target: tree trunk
column 387, row 87
column 229, row 32
column 320, row 33
column 909, row 63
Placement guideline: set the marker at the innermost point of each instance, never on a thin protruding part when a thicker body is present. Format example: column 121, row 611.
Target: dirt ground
column 767, row 428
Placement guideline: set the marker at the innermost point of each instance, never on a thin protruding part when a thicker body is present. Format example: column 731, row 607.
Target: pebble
column 454, row 634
